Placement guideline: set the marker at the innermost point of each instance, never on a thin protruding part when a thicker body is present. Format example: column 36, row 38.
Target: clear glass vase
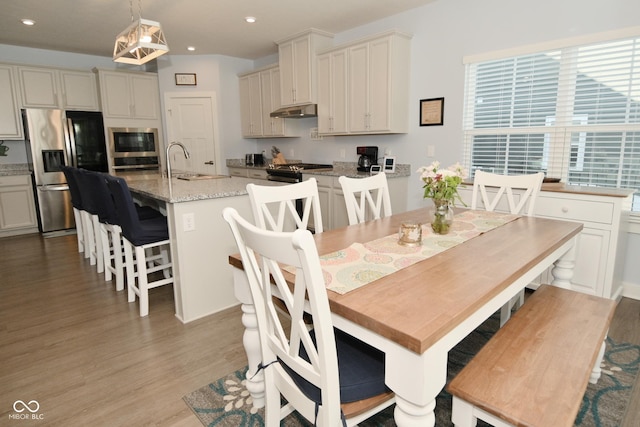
column 441, row 216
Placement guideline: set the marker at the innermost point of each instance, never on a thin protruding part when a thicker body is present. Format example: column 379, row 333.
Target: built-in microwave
column 134, row 148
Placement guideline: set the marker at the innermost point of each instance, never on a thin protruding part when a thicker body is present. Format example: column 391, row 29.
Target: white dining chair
column 527, row 187
column 359, row 195
column 286, row 207
column 324, row 374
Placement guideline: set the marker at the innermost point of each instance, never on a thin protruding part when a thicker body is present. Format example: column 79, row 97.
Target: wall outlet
column 343, row 154
column 431, row 150
column 387, row 151
column 188, row 222
column 291, row 153
column 313, row 133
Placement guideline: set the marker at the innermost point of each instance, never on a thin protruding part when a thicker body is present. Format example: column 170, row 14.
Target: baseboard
column 631, row 290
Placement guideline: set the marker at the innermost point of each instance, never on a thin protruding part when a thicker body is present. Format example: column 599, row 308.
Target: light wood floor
column 74, row 344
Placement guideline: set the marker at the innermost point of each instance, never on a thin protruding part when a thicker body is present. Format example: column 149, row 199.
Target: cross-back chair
column 359, row 196
column 527, row 189
column 314, row 370
column 275, row 207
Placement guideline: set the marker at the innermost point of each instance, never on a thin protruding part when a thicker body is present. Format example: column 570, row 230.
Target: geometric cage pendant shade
column 140, row 42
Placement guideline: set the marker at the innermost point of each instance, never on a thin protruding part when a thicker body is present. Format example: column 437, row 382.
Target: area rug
column 227, row 403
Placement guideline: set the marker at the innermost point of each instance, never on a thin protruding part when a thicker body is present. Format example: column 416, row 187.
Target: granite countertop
column 14, row 169
column 179, row 190
column 348, row 169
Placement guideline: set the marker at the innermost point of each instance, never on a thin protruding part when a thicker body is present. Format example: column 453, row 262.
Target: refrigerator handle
column 70, row 142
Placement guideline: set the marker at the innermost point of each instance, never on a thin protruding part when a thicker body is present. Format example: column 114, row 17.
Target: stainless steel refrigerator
column 57, row 138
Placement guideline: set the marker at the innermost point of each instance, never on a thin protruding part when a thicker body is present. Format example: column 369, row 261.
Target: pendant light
column 141, row 41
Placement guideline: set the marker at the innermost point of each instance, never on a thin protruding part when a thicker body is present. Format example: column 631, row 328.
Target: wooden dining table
column 417, row 314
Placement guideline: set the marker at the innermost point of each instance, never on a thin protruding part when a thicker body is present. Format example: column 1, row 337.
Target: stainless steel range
column 292, row 172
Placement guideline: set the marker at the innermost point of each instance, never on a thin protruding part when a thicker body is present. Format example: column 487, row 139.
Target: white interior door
column 191, row 120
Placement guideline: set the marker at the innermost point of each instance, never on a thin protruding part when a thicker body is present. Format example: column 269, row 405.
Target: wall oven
column 134, row 148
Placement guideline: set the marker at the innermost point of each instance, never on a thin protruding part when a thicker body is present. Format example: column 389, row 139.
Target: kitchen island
column 201, row 241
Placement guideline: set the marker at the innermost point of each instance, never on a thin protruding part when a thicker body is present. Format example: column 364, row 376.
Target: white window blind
column 573, row 113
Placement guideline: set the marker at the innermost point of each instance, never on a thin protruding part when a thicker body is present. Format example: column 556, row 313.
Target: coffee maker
column 368, row 157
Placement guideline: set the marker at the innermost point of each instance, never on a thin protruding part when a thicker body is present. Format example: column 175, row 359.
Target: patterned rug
column 227, row 403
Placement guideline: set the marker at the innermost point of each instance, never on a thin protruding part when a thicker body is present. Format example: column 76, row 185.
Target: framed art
column 432, row 112
column 186, row 79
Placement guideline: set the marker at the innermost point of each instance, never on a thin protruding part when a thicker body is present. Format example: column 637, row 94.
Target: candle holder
column 410, row 234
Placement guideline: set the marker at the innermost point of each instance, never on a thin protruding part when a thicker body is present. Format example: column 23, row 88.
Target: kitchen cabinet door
column 79, row 90
column 53, row 88
column 129, row 95
column 359, row 88
column 10, row 121
column 250, row 105
column 369, row 84
column 297, row 66
column 378, row 85
column 270, row 97
column 17, row 205
column 332, row 92
column 39, row 87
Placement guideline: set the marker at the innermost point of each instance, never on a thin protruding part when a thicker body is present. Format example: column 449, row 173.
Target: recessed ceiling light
column 191, row 48
column 250, row 19
column 29, row 22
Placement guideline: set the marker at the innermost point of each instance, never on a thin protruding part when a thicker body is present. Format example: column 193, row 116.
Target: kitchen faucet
column 184, row 150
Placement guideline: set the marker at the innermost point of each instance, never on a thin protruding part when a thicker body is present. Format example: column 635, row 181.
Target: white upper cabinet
column 270, row 96
column 332, row 92
column 259, row 96
column 52, row 88
column 297, row 59
column 10, row 122
column 251, row 105
column 363, row 86
column 378, row 85
column 129, row 95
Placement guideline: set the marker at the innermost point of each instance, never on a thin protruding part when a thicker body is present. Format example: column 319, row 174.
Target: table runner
column 362, row 263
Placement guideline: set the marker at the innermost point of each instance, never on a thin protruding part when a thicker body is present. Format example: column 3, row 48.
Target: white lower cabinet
column 17, row 206
column 602, row 242
column 248, row 172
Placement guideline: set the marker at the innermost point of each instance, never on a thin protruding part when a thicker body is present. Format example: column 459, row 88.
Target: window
column 572, row 112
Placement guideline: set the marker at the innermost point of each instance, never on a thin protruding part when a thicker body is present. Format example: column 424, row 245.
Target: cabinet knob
column 564, row 209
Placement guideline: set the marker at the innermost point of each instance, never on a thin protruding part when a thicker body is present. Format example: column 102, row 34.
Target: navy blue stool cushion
column 138, row 232
column 74, row 190
column 360, row 366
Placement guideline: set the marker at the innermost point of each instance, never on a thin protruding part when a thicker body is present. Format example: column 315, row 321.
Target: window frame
column 559, row 137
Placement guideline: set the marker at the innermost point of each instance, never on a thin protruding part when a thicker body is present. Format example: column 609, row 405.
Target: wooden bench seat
column 534, row 371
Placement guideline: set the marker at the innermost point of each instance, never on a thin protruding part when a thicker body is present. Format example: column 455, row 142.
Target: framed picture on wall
column 432, row 112
column 186, row 79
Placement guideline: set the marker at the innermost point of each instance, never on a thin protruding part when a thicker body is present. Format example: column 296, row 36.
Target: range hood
column 296, row 112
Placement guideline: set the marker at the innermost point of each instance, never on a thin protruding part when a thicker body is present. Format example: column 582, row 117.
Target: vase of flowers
column 441, row 185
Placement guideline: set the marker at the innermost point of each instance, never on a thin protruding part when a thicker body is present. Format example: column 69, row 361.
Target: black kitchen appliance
column 254, row 160
column 368, row 157
column 292, row 172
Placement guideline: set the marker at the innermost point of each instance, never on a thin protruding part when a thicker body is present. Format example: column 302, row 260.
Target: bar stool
column 76, row 202
column 90, row 220
column 140, row 238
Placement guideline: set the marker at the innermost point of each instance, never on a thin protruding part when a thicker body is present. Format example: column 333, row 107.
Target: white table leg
column 563, row 269
column 416, row 380
column 597, row 370
column 250, row 339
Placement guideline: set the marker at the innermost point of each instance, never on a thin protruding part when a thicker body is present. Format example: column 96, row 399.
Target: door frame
column 211, row 95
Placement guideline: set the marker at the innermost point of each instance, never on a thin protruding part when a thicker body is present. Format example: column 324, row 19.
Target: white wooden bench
column 534, row 371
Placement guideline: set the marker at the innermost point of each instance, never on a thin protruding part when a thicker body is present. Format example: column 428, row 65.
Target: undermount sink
column 198, row 176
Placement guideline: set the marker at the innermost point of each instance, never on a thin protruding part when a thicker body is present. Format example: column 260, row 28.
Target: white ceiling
column 212, row 26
